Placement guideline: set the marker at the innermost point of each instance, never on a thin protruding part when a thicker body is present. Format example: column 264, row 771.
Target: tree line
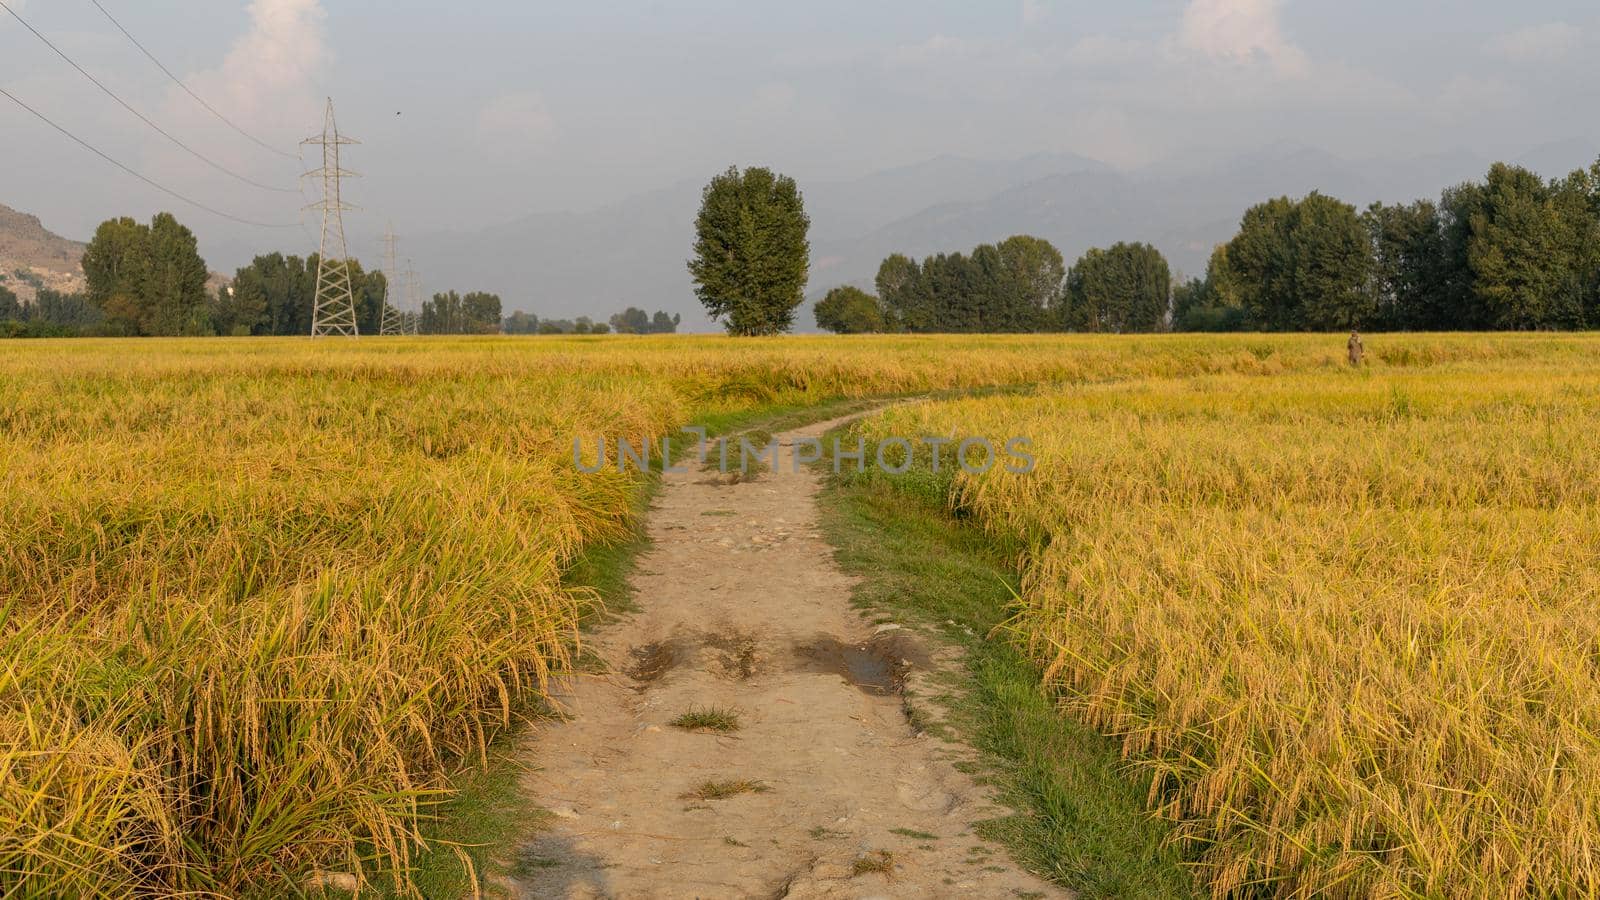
column 630, row 321
column 150, row 280
column 1513, row 252
column 1021, row 284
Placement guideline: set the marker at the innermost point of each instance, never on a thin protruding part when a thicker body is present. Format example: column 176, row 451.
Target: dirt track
column 742, row 607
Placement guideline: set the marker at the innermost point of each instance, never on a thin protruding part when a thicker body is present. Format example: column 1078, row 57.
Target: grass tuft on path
column 722, row 790
column 710, row 718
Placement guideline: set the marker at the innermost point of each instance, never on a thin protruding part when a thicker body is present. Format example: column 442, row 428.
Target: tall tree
column 849, row 310
column 175, row 296
column 481, row 313
column 1125, row 288
column 116, row 265
column 1332, row 264
column 1530, row 248
column 632, row 320
column 442, row 314
column 903, row 294
column 1034, row 271
column 1305, row 264
column 520, row 322
column 1261, row 258
column 752, row 255
column 148, row 279
column 1410, row 281
column 661, row 323
column 946, row 283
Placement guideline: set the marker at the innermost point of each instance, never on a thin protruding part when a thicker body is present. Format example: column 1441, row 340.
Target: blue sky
column 507, row 108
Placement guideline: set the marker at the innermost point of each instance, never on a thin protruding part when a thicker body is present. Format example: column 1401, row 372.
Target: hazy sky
column 507, row 107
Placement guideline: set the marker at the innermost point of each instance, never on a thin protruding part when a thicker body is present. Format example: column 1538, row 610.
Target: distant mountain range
column 633, row 253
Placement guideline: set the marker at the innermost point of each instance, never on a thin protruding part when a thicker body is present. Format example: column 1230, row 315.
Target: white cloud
column 513, row 122
column 1035, row 11
column 1240, row 31
column 1535, row 43
column 268, row 81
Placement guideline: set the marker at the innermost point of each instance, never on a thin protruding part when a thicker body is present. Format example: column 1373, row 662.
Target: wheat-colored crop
column 260, row 595
column 1345, row 621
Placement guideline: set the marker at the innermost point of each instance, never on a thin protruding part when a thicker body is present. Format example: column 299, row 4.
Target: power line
column 179, row 82
column 141, row 116
column 160, row 187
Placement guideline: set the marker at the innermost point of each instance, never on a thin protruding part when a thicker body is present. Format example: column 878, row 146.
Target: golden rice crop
column 1344, row 620
column 259, row 595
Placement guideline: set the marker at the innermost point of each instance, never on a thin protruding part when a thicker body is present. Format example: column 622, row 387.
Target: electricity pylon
column 413, row 298
column 335, row 309
column 394, row 321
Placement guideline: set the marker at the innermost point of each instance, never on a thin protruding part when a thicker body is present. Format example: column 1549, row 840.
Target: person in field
column 1356, row 348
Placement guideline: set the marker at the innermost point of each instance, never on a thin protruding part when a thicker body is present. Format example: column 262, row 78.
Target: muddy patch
column 736, row 654
column 651, row 661
column 877, row 666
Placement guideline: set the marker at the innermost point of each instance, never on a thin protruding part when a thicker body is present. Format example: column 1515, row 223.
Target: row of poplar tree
column 1513, row 252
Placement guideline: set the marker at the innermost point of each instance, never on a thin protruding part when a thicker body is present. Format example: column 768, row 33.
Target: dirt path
column 742, row 607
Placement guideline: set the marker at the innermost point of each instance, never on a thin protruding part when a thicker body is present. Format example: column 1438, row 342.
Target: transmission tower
column 335, row 308
column 394, row 321
column 413, row 298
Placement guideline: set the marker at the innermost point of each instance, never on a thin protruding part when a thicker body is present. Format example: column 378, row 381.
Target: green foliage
column 72, row 312
column 632, row 320
column 1123, row 289
column 1410, row 267
column 636, row 321
column 276, row 295
column 51, row 314
column 1013, row 286
column 482, row 312
column 1510, row 253
column 849, row 310
column 1211, row 304
column 175, row 297
column 751, row 253
column 148, row 279
column 661, row 323
column 451, row 313
column 1532, row 249
column 1303, row 265
column 520, row 322
column 116, row 265
column 1034, row 271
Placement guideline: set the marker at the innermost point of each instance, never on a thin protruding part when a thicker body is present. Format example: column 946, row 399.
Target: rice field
column 1344, row 621
column 259, row 597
